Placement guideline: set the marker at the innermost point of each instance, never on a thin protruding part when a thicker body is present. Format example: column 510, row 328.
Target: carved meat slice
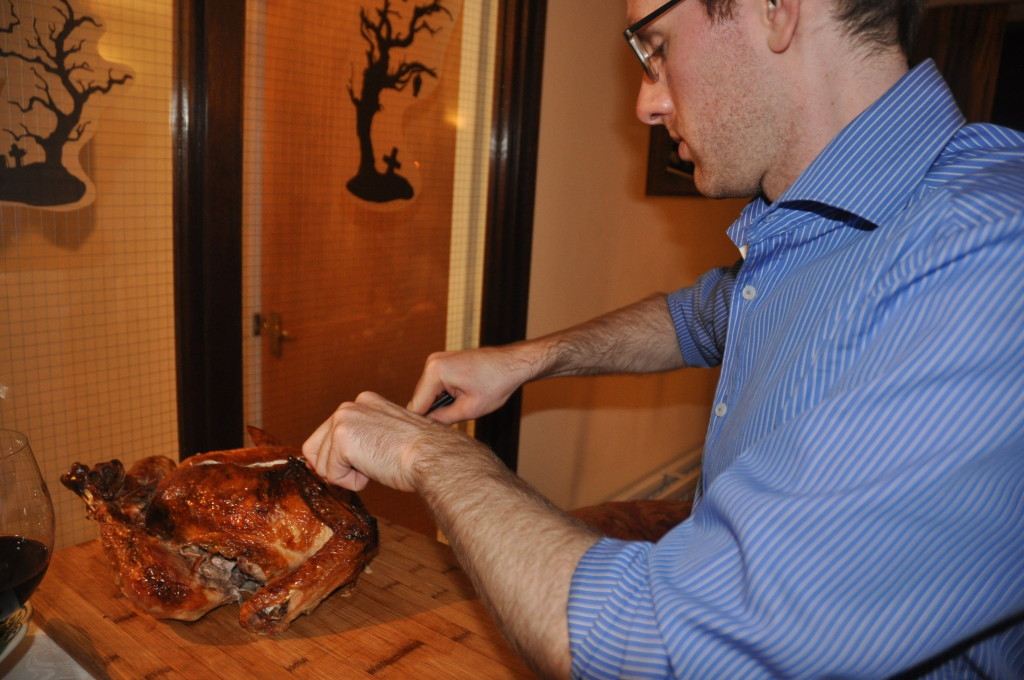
column 250, row 525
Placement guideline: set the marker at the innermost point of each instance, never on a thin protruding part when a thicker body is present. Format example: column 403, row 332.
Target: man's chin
column 711, row 186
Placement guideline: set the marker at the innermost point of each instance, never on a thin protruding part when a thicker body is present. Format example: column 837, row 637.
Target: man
column 862, row 501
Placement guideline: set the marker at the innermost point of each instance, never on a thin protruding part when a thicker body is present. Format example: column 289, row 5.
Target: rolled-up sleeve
column 612, row 617
column 701, row 316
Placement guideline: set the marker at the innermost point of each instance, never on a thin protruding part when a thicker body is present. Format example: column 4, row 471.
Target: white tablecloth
column 37, row 657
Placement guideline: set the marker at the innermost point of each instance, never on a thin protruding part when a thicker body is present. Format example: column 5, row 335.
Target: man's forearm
column 519, row 550
column 639, row 338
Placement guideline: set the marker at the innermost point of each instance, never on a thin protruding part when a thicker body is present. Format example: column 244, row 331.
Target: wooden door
column 966, row 41
column 360, row 285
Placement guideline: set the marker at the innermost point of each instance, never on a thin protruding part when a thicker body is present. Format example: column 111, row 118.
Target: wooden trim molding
column 208, row 223
column 510, row 213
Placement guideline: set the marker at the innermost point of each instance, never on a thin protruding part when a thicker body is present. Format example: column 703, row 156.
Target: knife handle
column 444, row 399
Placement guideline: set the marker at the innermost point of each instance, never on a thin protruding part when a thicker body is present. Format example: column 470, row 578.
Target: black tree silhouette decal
column 64, row 83
column 383, row 39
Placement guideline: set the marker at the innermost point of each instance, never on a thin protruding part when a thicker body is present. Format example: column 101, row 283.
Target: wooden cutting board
column 413, row 615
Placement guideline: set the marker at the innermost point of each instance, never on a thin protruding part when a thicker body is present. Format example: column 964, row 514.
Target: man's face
column 712, row 94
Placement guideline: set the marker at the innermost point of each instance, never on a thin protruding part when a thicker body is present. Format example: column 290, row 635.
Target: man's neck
column 830, row 89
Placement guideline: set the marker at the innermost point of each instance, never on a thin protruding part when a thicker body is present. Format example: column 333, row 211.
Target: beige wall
column 600, row 243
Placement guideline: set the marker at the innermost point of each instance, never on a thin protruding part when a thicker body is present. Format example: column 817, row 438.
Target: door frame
column 209, row 51
column 208, row 102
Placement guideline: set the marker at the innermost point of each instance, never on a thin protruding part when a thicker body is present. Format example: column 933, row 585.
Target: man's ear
column 781, row 17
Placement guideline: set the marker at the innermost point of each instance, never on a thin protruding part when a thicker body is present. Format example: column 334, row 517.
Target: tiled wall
column 86, row 296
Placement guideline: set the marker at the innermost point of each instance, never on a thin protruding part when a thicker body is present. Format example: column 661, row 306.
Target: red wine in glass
column 26, row 523
column 23, row 563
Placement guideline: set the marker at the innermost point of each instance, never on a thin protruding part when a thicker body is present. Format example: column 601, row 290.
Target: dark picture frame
column 667, row 174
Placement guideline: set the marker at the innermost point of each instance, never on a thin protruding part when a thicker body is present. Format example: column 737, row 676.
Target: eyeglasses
column 640, row 48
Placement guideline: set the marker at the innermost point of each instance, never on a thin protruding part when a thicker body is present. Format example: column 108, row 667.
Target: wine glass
column 26, row 535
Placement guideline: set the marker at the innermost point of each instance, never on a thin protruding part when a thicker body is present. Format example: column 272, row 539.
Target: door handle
column 274, row 327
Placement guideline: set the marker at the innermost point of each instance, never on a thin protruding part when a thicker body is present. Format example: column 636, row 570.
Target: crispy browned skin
column 158, row 581
column 252, row 525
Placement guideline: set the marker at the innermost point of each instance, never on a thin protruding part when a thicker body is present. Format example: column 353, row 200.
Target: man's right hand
column 638, row 338
column 480, row 380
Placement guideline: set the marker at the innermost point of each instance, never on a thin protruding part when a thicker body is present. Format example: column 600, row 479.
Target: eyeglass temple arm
column 631, row 31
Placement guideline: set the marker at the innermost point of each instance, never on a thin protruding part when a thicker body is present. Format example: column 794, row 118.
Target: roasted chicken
column 251, row 525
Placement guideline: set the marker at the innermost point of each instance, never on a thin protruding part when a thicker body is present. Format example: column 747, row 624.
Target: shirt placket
column 734, row 369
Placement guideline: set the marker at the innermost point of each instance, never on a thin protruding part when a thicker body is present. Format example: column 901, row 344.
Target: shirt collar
column 871, row 166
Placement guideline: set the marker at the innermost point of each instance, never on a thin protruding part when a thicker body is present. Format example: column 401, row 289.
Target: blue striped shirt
column 862, row 506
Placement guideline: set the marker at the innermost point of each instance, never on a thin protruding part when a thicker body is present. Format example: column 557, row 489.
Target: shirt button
column 721, row 409
column 749, row 292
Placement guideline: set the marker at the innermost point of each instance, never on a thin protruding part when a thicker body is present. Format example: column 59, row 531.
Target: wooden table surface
column 414, row 614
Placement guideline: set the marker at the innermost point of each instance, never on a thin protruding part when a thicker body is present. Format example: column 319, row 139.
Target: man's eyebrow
column 649, row 30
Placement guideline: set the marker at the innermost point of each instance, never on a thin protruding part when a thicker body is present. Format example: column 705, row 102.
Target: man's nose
column 652, row 102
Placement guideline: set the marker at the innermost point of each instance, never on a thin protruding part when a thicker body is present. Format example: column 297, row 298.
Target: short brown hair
column 879, row 23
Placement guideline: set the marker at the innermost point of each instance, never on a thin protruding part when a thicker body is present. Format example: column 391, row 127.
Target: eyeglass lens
column 640, row 48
